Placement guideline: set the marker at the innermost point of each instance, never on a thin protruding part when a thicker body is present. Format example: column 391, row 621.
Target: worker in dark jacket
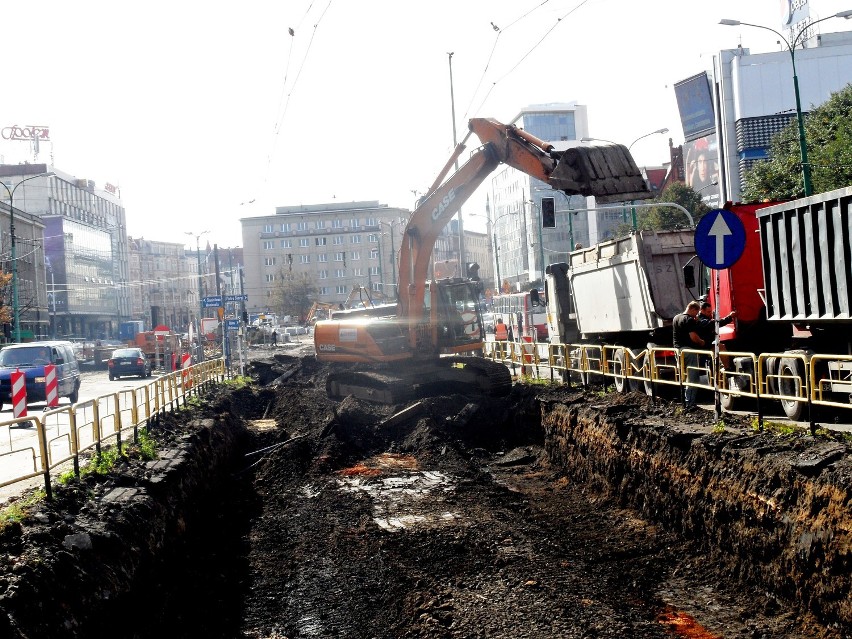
column 687, row 334
column 707, row 325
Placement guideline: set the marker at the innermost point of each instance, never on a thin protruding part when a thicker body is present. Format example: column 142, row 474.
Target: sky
column 203, row 113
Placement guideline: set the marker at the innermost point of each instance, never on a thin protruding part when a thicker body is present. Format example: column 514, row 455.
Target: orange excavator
column 428, row 341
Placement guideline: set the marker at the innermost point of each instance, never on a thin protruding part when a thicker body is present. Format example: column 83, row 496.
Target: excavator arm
column 609, row 173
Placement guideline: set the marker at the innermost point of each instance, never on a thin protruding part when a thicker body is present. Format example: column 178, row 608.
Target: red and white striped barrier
column 51, row 389
column 185, row 373
column 19, row 393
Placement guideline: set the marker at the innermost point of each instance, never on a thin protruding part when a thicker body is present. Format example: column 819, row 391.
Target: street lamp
column 15, row 310
column 200, row 301
column 791, row 47
column 658, row 131
column 392, row 257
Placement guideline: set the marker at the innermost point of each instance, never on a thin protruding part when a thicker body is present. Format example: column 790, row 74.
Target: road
column 19, row 450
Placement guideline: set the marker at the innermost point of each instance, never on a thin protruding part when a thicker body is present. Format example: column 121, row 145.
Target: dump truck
column 623, row 292
column 792, row 290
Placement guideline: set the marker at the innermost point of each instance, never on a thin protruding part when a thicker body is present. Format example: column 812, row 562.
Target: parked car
column 295, row 330
column 30, row 359
column 128, row 361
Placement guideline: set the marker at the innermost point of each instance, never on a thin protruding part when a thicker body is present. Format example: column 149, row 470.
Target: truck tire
column 728, row 402
column 75, row 394
column 619, row 361
column 791, row 367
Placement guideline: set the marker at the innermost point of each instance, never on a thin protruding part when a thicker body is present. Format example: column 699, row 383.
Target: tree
column 828, row 130
column 293, row 295
column 5, row 297
column 667, row 217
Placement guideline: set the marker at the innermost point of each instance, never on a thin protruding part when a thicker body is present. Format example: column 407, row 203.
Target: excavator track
column 464, row 375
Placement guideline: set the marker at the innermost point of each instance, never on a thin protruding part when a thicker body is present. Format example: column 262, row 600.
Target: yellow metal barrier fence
column 95, row 422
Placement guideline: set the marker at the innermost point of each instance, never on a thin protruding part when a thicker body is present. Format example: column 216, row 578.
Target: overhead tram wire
column 527, row 54
column 280, row 119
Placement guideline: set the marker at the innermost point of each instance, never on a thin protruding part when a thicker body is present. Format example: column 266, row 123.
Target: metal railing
column 791, row 377
column 103, row 420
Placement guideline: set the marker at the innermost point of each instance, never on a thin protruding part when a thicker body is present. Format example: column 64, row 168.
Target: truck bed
column 631, row 284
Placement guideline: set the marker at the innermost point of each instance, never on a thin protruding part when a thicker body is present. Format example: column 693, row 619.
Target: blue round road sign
column 719, row 239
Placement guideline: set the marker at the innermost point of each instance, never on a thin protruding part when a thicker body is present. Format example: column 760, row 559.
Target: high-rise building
column 522, row 249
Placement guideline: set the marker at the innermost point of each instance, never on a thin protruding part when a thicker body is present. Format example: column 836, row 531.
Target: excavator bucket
column 607, row 172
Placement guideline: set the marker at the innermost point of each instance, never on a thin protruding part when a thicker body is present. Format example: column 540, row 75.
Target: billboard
column 695, row 104
column 794, row 12
column 701, row 161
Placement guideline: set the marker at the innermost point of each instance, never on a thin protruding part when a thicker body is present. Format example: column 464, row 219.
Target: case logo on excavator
column 443, row 204
column 328, row 347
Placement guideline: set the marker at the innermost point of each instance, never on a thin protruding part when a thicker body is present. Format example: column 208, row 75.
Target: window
column 373, row 238
column 340, row 272
column 320, row 241
column 338, row 239
column 268, row 244
column 270, row 277
column 354, row 223
column 302, row 226
column 377, row 286
column 305, row 242
column 304, row 259
column 356, row 255
column 337, row 224
column 355, row 239
column 319, row 224
column 323, row 257
column 339, row 256
column 374, row 270
column 269, row 261
column 267, row 228
column 374, row 254
column 323, row 290
column 341, row 290
column 285, row 227
column 371, row 221
column 323, row 274
column 286, row 243
column 358, row 272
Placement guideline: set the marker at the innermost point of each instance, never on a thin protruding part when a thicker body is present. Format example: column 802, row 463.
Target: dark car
column 128, row 361
column 31, row 358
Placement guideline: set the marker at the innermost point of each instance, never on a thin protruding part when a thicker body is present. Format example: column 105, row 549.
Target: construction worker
column 501, row 333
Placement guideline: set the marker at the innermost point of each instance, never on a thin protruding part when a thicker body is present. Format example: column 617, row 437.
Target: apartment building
column 338, row 246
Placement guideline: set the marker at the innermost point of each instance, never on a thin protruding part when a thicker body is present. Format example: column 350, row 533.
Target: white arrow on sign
column 720, row 229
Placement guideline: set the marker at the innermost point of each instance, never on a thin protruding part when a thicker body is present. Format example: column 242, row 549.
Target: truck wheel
column 75, row 394
column 730, row 402
column 788, row 368
column 619, row 369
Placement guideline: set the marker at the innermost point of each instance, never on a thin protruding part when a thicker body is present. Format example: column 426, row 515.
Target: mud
column 549, row 513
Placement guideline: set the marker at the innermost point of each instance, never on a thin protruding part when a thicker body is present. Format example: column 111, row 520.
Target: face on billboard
column 701, row 161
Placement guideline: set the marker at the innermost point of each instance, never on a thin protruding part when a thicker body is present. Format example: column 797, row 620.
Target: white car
column 295, row 330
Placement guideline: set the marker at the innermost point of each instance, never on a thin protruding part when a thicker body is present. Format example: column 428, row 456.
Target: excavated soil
column 453, row 520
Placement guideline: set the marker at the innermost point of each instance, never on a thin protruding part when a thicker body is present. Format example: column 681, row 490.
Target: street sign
column 211, row 302
column 232, row 324
column 719, row 239
column 235, row 298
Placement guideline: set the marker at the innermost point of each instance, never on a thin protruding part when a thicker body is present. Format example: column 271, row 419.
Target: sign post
column 719, row 242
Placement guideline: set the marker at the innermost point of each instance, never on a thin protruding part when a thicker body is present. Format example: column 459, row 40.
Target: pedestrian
column 686, row 335
column 501, row 334
column 275, row 338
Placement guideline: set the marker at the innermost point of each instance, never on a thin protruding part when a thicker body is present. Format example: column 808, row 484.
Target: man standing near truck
column 687, row 334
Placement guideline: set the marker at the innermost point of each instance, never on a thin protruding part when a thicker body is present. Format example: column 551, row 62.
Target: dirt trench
column 550, row 513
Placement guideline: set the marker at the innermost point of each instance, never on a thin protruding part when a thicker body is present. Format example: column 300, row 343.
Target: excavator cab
column 457, row 316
